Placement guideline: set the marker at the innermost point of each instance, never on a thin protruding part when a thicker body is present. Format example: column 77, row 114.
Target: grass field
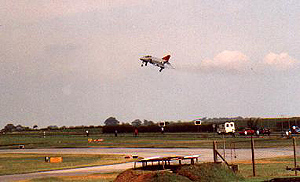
column 267, row 169
column 25, row 163
column 149, row 140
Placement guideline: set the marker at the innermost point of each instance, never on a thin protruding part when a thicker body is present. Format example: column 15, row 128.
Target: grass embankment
column 200, row 172
column 149, row 140
column 26, row 163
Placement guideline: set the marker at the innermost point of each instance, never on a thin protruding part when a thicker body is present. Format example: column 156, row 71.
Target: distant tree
column 148, row 123
column 253, row 123
column 136, row 123
column 80, row 127
column 20, row 128
column 35, row 127
column 52, row 127
column 111, row 121
column 9, row 128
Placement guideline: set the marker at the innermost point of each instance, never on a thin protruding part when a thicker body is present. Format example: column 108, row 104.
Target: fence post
column 224, row 147
column 253, row 160
column 295, row 156
column 214, row 151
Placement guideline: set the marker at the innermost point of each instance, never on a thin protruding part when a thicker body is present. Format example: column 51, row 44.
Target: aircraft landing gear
column 161, row 69
column 144, row 63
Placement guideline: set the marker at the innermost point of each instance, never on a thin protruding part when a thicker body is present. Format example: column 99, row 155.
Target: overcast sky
column 76, row 62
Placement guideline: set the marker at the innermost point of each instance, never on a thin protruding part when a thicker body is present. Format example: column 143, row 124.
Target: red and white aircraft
column 160, row 62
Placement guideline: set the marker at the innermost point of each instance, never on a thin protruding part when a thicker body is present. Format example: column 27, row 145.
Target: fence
column 231, row 155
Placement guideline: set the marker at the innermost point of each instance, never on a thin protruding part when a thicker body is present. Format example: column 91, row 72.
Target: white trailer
column 226, row 128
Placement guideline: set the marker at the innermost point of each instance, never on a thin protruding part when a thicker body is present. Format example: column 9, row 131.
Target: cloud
column 231, row 61
column 282, row 61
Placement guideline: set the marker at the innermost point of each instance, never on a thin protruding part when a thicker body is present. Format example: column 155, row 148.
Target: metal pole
column 253, row 160
column 295, row 156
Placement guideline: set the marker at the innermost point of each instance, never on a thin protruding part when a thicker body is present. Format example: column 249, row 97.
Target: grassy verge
column 25, row 163
column 89, row 178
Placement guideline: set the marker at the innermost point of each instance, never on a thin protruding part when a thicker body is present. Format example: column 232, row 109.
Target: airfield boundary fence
column 230, row 155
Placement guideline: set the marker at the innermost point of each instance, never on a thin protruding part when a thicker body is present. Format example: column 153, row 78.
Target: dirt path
column 205, row 156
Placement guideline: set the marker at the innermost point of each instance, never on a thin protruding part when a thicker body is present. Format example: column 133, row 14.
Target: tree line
column 111, row 124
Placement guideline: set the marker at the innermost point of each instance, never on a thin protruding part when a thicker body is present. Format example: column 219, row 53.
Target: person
column 136, row 132
column 162, row 130
column 87, row 133
column 116, row 133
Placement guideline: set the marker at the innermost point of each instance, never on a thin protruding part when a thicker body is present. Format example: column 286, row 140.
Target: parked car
column 247, row 131
column 264, row 131
column 295, row 130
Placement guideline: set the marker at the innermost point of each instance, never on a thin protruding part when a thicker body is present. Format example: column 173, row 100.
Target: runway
column 206, row 155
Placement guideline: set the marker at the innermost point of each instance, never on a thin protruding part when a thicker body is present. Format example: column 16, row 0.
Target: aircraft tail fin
column 166, row 58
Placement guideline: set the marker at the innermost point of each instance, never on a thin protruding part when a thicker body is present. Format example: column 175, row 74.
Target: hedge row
column 178, row 127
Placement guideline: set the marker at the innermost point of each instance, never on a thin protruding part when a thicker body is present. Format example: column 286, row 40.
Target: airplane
column 160, row 62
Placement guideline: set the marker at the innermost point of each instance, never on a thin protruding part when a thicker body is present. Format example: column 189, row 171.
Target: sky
column 76, row 62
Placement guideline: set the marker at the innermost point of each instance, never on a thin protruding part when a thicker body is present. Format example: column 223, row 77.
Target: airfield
column 146, row 145
column 205, row 156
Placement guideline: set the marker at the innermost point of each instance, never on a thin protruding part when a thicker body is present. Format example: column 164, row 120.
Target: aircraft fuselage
column 160, row 62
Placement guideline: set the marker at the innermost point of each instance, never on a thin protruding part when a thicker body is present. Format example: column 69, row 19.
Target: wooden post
column 295, row 156
column 222, row 158
column 253, row 160
column 214, row 151
column 224, row 154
